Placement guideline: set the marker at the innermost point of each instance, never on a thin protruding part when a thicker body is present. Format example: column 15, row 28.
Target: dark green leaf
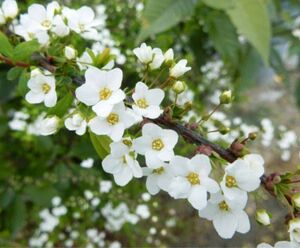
column 22, row 84
column 17, row 215
column 6, row 198
column 14, row 73
column 40, row 195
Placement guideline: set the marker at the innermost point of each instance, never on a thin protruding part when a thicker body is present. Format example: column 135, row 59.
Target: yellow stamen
column 113, row 118
column 230, row 182
column 105, row 93
column 157, row 144
column 46, row 88
column 142, row 103
column 193, row 178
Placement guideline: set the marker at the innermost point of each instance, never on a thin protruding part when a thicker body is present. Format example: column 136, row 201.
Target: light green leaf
column 161, row 15
column 5, row 47
column 24, row 50
column 251, row 19
column 101, row 144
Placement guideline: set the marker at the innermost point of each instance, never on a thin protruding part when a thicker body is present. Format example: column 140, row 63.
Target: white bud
column 263, row 217
column 226, row 97
column 178, row 87
column 179, row 69
column 169, row 55
column 294, row 230
column 48, row 126
column 70, row 52
column 10, row 9
column 296, row 200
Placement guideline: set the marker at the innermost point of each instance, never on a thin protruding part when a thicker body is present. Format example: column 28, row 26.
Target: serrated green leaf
column 224, row 37
column 256, row 30
column 5, row 47
column 160, row 15
column 101, row 144
column 62, row 106
column 24, row 50
column 14, row 73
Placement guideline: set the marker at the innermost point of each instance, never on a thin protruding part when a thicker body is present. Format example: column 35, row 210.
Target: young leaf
column 14, row 73
column 24, row 50
column 5, row 47
column 161, row 15
column 101, row 144
column 22, row 84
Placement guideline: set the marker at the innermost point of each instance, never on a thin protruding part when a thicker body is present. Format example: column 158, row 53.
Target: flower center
column 142, row 103
column 193, row 178
column 46, row 24
column 81, row 27
column 127, row 142
column 124, row 160
column 113, row 118
column 157, row 144
column 223, row 206
column 159, row 170
column 46, row 88
column 105, row 93
column 230, row 182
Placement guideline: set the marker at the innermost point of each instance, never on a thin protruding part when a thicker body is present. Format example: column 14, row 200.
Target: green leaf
column 7, row 88
column 14, row 73
column 24, row 50
column 5, row 47
column 62, row 106
column 16, row 215
column 40, row 195
column 297, row 93
column 101, row 144
column 223, row 36
column 6, row 198
column 251, row 19
column 22, row 84
column 161, row 15
column 219, row 4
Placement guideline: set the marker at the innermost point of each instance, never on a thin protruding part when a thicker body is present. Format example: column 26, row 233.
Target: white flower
column 179, row 69
column 263, row 217
column 191, row 180
column 227, row 216
column 156, row 143
column 144, row 53
column 87, row 163
column 122, row 163
column 59, row 27
column 47, row 126
column 294, row 230
column 42, row 89
column 157, row 60
column 169, row 55
column 10, row 9
column 147, row 101
column 158, row 176
column 114, row 124
column 41, row 18
column 143, row 211
column 256, row 163
column 70, row 52
column 85, row 61
column 82, row 21
column 239, row 179
column 101, row 90
column 76, row 123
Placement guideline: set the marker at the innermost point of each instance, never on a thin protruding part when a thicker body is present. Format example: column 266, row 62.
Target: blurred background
column 53, row 191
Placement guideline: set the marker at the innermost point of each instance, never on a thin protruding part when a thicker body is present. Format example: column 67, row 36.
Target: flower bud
column 252, row 136
column 262, row 217
column 70, row 52
column 226, row 97
column 294, row 230
column 169, row 55
column 296, row 200
column 179, row 87
column 224, row 130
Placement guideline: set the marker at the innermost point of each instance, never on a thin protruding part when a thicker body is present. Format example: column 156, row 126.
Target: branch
column 194, row 137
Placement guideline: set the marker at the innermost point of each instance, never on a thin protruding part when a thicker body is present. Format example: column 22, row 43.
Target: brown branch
column 12, row 63
column 194, row 137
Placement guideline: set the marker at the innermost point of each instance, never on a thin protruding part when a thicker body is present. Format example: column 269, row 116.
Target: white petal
column 111, row 165
column 142, row 144
column 201, row 164
column 178, row 166
column 256, row 163
column 155, row 96
column 99, row 126
column 117, row 97
column 211, row 185
column 87, row 94
column 151, row 129
column 123, row 177
column 37, row 12
column 179, row 188
column 102, row 108
column 225, row 224
column 114, row 78
column 50, row 99
column 198, row 197
column 209, row 212
column 34, row 98
column 243, row 222
column 170, row 138
column 151, row 184
column 117, row 132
